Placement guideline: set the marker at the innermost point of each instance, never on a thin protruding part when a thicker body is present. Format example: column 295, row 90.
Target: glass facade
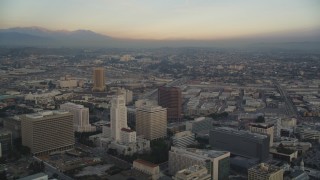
column 224, row 168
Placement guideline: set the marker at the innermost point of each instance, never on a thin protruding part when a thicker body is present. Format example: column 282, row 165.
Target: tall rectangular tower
column 48, row 131
column 171, row 98
column 80, row 117
column 151, row 122
column 118, row 116
column 98, row 79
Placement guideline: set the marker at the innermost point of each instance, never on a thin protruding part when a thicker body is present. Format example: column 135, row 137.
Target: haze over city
column 163, row 20
column 160, row 90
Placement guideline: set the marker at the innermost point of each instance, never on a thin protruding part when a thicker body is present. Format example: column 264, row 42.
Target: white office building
column 117, row 135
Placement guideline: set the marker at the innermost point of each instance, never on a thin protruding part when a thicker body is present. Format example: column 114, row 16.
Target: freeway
column 290, row 109
column 229, row 86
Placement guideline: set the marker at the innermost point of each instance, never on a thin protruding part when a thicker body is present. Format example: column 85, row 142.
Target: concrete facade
column 48, row 131
column 239, row 142
column 151, row 122
column 80, row 117
column 217, row 162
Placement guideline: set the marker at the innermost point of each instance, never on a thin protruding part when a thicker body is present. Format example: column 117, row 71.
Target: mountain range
column 41, row 37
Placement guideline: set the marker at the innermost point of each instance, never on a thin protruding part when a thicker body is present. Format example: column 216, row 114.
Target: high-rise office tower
column 80, row 117
column 126, row 93
column 151, row 122
column 171, row 98
column 47, row 131
column 98, row 79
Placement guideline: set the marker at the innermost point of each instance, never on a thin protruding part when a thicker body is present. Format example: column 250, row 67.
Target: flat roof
column 199, row 153
column 146, row 163
column 261, row 125
column 34, row 176
column 240, row 132
column 126, row 130
column 43, row 116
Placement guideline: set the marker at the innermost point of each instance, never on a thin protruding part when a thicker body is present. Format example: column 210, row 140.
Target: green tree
column 260, row 119
column 25, row 150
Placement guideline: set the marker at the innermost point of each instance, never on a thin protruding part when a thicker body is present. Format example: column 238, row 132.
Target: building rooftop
column 183, row 134
column 74, row 105
column 264, row 168
column 146, row 163
column 34, row 176
column 240, row 132
column 150, row 108
column 46, row 114
column 199, row 153
column 190, row 171
column 126, row 130
column 261, row 125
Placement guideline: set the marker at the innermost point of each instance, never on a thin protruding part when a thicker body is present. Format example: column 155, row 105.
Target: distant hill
column 41, row 37
column 35, row 36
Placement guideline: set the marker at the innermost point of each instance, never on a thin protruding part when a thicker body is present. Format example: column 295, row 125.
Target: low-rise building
column 183, row 139
column 264, row 171
column 193, row 172
column 38, row 176
column 147, row 167
column 308, row 133
column 199, row 124
column 284, row 155
column 217, row 162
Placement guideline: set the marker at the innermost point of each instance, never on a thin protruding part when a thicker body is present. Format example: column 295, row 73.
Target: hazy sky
column 165, row 19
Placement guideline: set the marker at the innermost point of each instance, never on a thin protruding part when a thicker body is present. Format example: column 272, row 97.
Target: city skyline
column 167, row 20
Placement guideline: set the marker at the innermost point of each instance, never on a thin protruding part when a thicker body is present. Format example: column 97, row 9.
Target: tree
column 3, row 175
column 55, row 175
column 260, row 119
column 25, row 150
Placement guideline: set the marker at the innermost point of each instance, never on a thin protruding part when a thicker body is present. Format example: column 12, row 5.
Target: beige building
column 80, row 117
column 47, row 131
column 288, row 156
column 217, row 162
column 68, row 82
column 264, row 171
column 193, row 172
column 151, row 122
column 126, row 93
column 147, row 167
column 263, row 128
column 183, row 139
column 98, row 79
